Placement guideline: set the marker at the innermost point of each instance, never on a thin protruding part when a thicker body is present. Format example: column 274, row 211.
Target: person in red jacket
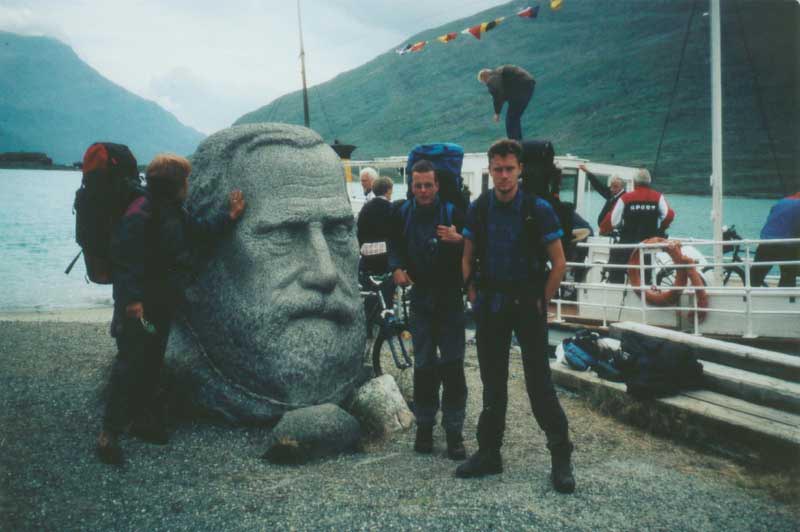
column 638, row 215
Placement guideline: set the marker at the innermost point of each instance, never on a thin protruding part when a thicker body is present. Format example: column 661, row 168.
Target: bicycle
column 730, row 234
column 388, row 335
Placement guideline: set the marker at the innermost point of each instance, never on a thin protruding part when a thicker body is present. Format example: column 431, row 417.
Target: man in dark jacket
column 512, row 84
column 611, row 192
column 153, row 250
column 427, row 253
column 375, row 223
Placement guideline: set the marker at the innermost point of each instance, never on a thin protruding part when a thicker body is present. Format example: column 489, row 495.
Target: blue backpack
column 447, row 159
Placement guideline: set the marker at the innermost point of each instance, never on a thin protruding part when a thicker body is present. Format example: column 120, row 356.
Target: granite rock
column 380, row 407
column 312, row 433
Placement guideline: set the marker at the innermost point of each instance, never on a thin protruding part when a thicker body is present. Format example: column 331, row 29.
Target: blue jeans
column 438, row 322
column 516, row 106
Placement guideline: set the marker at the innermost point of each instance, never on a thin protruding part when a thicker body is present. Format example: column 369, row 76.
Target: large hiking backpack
column 110, row 183
column 541, row 177
column 447, row 159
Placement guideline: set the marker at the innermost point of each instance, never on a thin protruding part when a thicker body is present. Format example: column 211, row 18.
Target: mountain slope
column 53, row 102
column 605, row 72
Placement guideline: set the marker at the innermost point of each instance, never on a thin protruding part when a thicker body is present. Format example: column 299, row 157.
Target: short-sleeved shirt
column 783, row 220
column 507, row 259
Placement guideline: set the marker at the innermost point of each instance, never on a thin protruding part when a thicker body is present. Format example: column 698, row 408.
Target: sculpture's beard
column 290, row 347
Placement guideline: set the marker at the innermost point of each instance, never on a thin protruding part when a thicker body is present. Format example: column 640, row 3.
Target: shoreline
column 72, row 315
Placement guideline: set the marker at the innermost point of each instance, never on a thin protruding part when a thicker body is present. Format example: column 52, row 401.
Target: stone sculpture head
column 277, row 310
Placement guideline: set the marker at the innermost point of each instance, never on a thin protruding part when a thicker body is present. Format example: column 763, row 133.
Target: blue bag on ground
column 577, row 358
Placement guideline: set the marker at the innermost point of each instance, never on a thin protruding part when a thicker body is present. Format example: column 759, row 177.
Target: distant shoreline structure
column 27, row 160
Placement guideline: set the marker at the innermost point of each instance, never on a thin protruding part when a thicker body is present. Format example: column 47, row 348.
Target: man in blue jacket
column 511, row 235
column 426, row 252
column 783, row 222
column 153, row 251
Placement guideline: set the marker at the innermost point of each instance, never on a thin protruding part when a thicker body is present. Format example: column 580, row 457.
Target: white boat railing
column 722, row 298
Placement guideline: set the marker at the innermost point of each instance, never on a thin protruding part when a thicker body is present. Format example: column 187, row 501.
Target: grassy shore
column 212, row 478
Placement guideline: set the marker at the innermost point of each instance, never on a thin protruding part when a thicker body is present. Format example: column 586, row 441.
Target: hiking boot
column 423, row 443
column 108, row 449
column 480, row 464
column 561, row 474
column 455, row 446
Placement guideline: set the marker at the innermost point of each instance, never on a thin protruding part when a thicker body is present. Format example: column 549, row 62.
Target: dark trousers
column 437, row 329
column 776, row 252
column 135, row 374
column 496, row 317
column 516, row 106
column 622, row 256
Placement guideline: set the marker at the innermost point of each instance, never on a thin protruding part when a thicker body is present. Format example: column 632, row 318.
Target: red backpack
column 110, row 183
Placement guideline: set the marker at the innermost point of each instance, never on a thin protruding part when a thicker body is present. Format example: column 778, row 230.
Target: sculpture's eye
column 280, row 240
column 339, row 233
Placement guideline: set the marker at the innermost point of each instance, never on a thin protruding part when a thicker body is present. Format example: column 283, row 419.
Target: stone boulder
column 311, row 433
column 380, row 407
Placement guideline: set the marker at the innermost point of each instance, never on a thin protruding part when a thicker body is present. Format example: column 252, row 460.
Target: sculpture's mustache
column 333, row 308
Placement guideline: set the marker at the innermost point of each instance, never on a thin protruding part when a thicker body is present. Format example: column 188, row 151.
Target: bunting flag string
column 531, row 13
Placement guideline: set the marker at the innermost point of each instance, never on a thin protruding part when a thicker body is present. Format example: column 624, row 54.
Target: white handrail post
column 716, row 134
column 696, row 312
column 642, row 291
column 748, row 296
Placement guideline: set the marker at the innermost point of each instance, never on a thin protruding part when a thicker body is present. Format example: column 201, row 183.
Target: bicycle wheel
column 387, row 352
column 728, row 273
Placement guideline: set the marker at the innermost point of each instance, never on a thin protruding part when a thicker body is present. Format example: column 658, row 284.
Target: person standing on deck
column 611, row 192
column 512, row 234
column 783, row 222
column 512, row 84
column 368, row 176
column 639, row 214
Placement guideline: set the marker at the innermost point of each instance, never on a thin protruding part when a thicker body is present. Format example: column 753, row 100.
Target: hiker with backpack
column 508, row 237
column 153, row 249
column 426, row 252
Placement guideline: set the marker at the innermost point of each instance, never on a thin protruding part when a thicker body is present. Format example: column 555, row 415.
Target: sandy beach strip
column 73, row 315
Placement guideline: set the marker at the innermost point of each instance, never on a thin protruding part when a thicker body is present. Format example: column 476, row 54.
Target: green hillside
column 605, row 70
column 53, row 102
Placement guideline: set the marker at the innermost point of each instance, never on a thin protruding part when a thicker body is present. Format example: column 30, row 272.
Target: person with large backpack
column 426, row 251
column 508, row 236
column 153, row 250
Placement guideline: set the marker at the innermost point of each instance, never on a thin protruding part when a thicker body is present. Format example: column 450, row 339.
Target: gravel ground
column 211, row 478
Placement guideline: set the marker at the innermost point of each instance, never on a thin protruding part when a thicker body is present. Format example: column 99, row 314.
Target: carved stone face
column 278, row 310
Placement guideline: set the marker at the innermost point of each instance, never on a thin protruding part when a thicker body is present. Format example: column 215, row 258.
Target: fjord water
column 37, row 236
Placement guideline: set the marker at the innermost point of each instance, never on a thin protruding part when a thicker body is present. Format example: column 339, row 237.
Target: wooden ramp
column 750, row 412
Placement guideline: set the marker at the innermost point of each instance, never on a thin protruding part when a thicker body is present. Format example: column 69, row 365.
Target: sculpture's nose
column 320, row 274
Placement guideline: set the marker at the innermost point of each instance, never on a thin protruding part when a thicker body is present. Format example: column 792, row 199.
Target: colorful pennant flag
column 416, row 47
column 529, row 12
column 555, row 5
column 476, row 30
column 448, row 37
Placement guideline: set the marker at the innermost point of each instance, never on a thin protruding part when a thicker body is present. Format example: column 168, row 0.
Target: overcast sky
column 210, row 61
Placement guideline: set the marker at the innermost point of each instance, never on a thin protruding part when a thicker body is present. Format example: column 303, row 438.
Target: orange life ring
column 701, row 295
column 654, row 295
column 670, row 296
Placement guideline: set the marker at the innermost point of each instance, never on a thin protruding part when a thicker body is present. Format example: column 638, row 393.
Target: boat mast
column 716, row 134
column 306, row 120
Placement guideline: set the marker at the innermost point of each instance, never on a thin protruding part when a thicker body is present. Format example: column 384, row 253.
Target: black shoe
column 561, row 474
column 480, row 464
column 423, row 443
column 108, row 449
column 455, row 446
